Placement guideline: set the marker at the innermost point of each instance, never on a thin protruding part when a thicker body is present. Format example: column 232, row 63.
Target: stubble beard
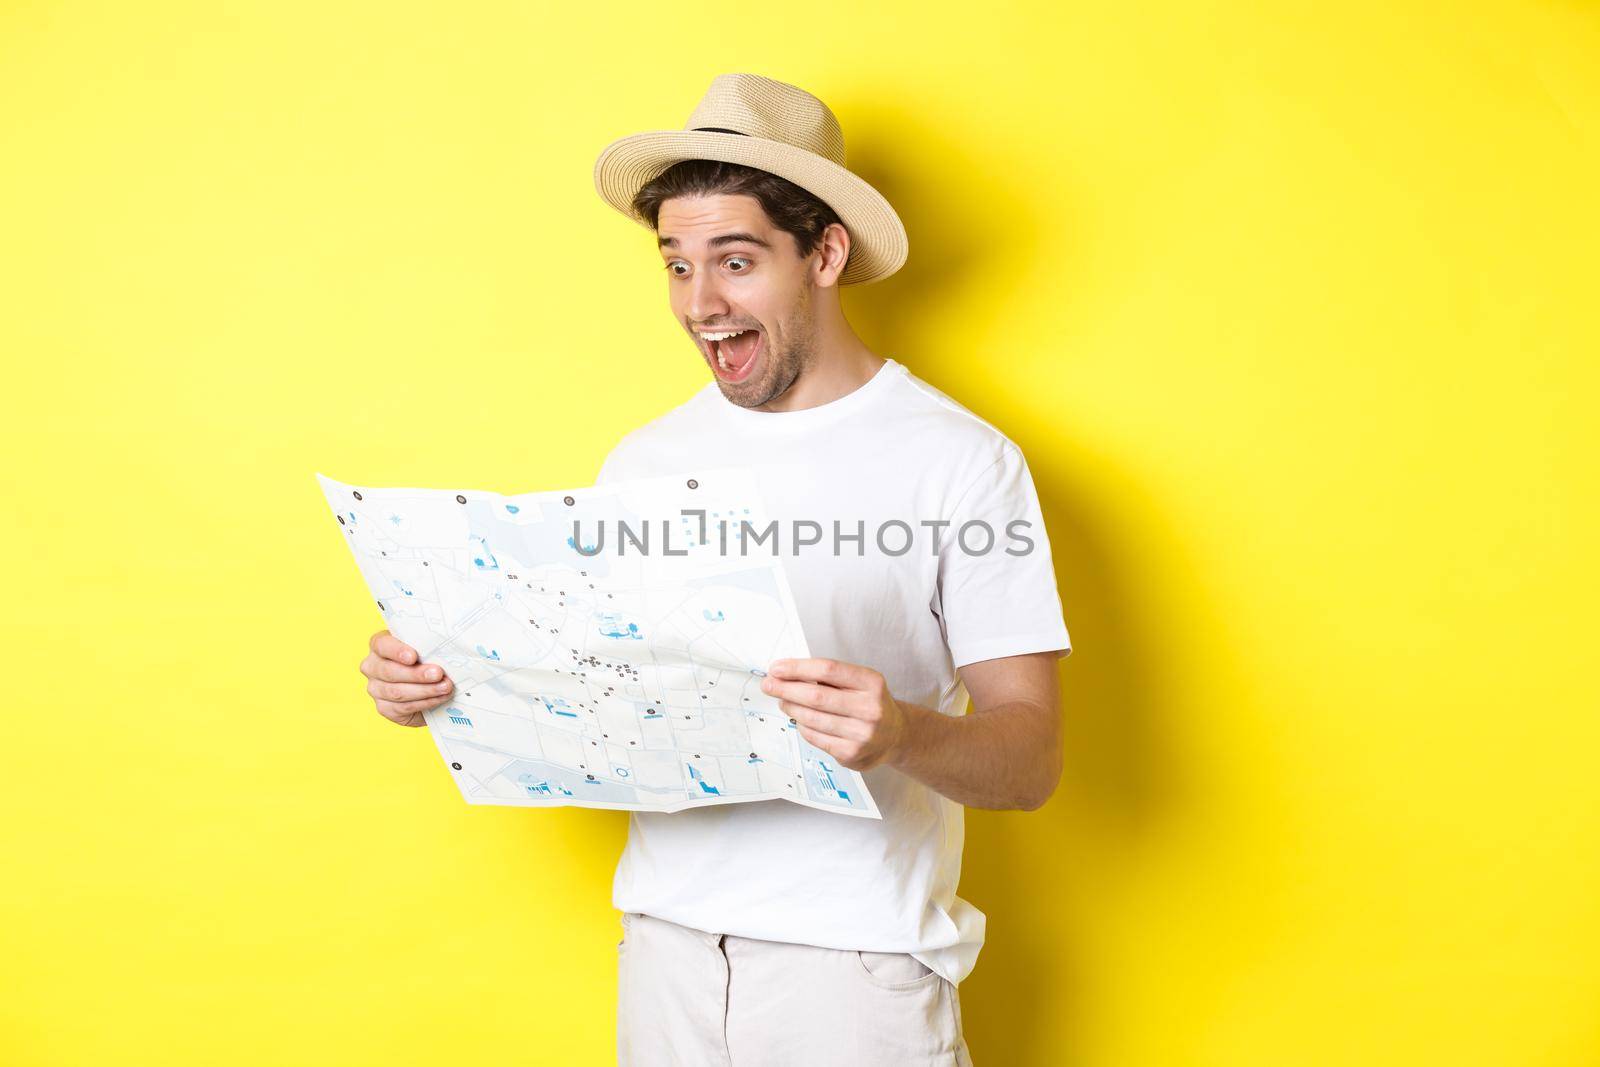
column 784, row 363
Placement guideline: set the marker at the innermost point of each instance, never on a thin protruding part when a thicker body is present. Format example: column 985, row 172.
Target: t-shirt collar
column 807, row 417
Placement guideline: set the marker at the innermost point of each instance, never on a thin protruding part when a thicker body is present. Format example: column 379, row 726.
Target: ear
column 833, row 249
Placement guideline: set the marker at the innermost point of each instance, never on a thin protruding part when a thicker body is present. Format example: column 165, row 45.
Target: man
column 769, row 932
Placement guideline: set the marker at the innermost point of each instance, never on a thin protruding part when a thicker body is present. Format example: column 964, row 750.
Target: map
column 607, row 644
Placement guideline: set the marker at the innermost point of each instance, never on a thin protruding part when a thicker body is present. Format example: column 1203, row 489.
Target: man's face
column 728, row 269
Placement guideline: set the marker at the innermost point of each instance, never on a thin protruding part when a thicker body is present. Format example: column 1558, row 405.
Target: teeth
column 714, row 341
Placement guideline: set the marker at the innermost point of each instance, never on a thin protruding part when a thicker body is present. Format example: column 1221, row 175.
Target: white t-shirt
column 894, row 449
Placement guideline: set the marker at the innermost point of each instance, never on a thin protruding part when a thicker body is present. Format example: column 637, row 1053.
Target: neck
column 842, row 365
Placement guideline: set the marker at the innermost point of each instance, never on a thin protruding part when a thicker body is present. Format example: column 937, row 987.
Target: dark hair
column 792, row 209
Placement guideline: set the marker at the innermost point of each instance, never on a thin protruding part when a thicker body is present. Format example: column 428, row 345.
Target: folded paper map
column 607, row 644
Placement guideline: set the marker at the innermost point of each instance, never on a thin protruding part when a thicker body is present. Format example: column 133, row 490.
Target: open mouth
column 733, row 358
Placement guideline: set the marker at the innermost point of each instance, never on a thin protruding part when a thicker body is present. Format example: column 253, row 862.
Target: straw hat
column 778, row 128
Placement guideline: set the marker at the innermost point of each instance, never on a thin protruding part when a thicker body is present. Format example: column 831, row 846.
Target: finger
column 834, row 672
column 407, row 708
column 389, row 670
column 389, row 646
column 821, row 697
column 838, row 726
column 400, row 692
column 822, row 741
column 408, row 714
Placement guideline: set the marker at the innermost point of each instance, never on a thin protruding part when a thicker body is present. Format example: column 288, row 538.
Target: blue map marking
column 827, row 779
column 559, row 706
column 704, row 785
column 482, row 558
column 540, row 787
column 611, row 625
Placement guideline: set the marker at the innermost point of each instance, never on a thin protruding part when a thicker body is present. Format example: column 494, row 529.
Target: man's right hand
column 401, row 687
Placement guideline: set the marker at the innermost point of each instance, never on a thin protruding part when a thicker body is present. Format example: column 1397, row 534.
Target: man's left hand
column 844, row 709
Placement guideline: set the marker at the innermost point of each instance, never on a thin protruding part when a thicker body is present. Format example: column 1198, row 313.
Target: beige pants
column 688, row 998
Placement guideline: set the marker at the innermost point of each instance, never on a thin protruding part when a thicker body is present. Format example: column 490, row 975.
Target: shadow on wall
column 1039, row 876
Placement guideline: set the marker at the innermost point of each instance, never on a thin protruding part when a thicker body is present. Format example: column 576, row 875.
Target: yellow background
column 1292, row 310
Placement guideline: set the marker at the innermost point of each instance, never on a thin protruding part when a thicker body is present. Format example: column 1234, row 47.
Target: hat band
column 716, row 129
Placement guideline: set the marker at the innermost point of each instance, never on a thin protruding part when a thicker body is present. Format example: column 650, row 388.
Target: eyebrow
column 719, row 240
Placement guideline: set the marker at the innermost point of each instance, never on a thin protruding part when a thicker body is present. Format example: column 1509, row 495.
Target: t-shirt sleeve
column 1003, row 601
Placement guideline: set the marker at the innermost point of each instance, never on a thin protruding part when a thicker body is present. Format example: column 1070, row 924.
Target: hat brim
column 878, row 244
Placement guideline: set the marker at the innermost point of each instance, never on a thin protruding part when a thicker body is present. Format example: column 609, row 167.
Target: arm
column 1005, row 754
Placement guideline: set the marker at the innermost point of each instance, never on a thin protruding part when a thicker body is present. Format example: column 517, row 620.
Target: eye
column 739, row 259
column 675, row 263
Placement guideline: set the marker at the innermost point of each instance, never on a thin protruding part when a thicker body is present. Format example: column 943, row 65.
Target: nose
column 705, row 299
